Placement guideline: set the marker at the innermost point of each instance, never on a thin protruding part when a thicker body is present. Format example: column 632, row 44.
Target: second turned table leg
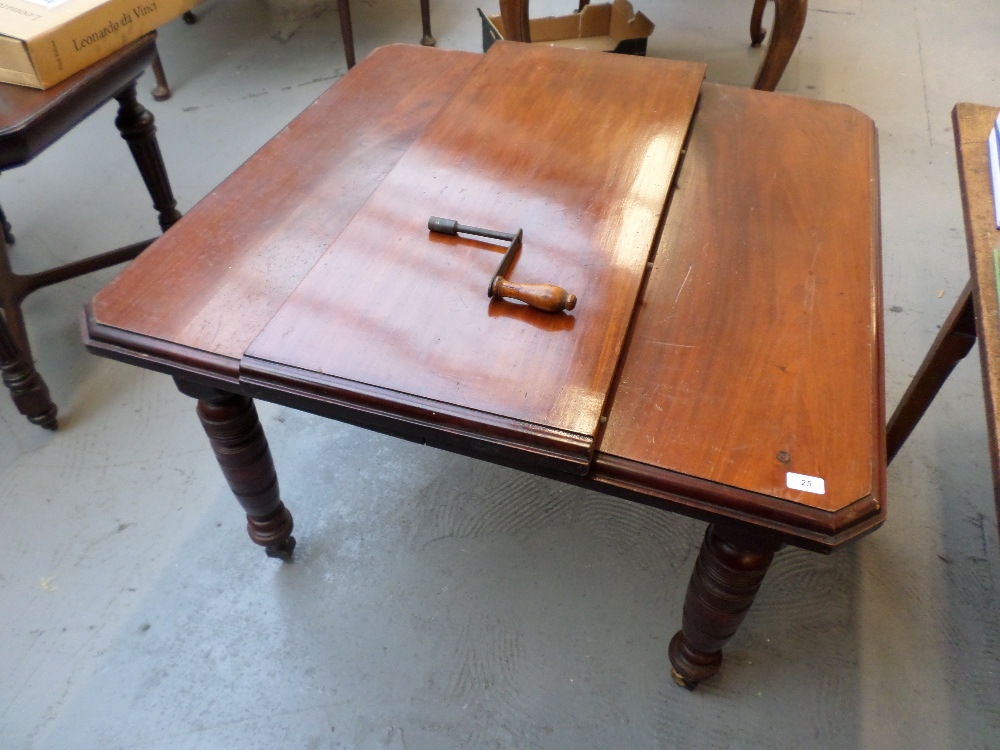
column 237, row 437
column 730, row 568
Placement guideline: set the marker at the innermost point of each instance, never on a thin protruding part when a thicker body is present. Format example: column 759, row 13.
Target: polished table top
column 749, row 352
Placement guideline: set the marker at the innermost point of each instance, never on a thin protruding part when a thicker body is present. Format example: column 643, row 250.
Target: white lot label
column 806, row 483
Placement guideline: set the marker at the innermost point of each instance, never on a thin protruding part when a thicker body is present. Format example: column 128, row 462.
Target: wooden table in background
column 975, row 314
column 711, row 353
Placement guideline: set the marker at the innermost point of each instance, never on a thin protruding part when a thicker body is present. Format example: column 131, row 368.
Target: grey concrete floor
column 435, row 601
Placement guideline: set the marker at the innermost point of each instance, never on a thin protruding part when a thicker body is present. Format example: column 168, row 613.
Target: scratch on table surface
column 682, row 284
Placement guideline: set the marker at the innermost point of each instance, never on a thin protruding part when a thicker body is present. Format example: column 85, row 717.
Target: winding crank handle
column 544, row 297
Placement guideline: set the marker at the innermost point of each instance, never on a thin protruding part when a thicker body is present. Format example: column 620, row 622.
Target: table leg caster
column 273, row 533
column 683, row 681
column 687, row 667
column 281, row 551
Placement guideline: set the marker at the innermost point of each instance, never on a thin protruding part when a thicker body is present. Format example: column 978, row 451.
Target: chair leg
column 137, row 126
column 515, row 20
column 161, row 91
column 425, row 18
column 789, row 18
column 730, row 568
column 27, row 389
column 757, row 32
column 346, row 31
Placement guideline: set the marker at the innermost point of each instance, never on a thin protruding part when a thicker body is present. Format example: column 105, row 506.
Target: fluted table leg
column 137, row 126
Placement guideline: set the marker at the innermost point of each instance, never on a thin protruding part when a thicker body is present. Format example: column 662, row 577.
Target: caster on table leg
column 282, row 551
column 696, row 667
column 683, row 682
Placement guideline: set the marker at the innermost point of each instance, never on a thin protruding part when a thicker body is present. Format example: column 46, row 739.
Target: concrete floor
column 437, row 602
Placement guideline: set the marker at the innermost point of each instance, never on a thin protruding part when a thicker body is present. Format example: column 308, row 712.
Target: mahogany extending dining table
column 724, row 359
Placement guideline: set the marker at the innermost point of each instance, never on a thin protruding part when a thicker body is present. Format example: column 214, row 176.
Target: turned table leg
column 237, row 437
column 727, row 575
column 27, row 389
column 789, row 18
column 953, row 342
column 137, row 126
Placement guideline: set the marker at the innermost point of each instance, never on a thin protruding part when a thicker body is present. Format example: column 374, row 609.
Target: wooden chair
column 31, row 121
column 789, row 18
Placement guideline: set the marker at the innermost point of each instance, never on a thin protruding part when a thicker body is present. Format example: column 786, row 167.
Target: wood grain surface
column 757, row 348
column 215, row 279
column 578, row 150
column 972, row 126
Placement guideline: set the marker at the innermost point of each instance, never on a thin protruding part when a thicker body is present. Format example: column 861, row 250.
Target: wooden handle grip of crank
column 545, row 297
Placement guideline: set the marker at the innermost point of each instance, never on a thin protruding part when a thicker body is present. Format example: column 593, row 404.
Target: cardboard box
column 607, row 27
column 43, row 42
